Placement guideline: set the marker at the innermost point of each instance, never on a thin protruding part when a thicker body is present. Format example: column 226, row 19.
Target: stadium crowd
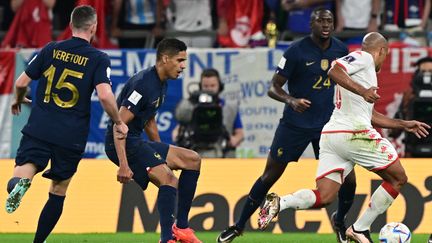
column 209, row 23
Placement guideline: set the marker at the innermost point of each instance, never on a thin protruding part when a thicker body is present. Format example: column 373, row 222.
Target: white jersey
column 352, row 112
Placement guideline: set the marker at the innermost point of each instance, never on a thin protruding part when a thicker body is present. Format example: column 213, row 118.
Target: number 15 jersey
column 68, row 71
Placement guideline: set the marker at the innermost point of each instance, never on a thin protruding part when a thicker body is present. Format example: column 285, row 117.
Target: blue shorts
column 290, row 142
column 141, row 156
column 64, row 161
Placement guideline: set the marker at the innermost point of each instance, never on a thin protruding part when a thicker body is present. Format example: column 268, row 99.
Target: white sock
column 302, row 199
column 381, row 200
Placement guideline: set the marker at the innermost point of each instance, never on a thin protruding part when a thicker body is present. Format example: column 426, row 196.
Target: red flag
column 244, row 19
column 31, row 26
column 101, row 39
column 7, row 72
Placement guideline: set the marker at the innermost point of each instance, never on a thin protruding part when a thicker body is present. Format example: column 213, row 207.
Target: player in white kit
column 349, row 138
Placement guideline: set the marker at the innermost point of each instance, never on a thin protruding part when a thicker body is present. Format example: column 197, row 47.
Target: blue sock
column 186, row 192
column 166, row 205
column 12, row 182
column 49, row 216
column 254, row 200
column 346, row 199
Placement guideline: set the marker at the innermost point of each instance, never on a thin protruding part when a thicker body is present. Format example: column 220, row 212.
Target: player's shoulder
column 138, row 78
column 49, row 46
column 98, row 54
column 296, row 46
column 339, row 45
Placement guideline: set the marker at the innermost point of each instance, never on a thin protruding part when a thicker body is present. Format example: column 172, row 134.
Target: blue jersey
column 68, row 72
column 142, row 95
column 305, row 65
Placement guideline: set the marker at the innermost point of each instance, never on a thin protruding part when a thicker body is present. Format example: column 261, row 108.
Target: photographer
column 415, row 102
column 224, row 147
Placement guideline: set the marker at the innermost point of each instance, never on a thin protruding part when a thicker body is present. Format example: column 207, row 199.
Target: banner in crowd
column 7, row 72
column 246, row 74
column 96, row 202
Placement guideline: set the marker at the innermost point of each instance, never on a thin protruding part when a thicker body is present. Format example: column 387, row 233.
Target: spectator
column 412, row 14
column 191, row 17
column 299, row 12
column 101, row 39
column 136, row 15
column 421, row 80
column 350, row 18
column 6, row 14
column 32, row 18
column 61, row 14
column 231, row 120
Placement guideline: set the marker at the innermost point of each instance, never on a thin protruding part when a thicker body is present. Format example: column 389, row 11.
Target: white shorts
column 341, row 150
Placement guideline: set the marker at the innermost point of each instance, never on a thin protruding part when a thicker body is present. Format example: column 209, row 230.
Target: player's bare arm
column 420, row 129
column 21, row 85
column 107, row 100
column 338, row 74
column 152, row 130
column 278, row 93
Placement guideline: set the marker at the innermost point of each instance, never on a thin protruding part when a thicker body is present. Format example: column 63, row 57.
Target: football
column 394, row 233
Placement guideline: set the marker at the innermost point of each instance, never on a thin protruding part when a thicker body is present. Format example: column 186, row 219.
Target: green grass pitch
column 204, row 236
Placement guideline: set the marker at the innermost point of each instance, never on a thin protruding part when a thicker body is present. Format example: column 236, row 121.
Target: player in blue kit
column 58, row 125
column 153, row 161
column 308, row 107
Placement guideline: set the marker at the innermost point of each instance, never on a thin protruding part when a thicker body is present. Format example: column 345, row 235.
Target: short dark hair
column 317, row 10
column 210, row 72
column 82, row 17
column 170, row 47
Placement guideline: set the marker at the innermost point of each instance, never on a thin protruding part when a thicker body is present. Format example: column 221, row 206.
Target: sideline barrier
column 96, row 202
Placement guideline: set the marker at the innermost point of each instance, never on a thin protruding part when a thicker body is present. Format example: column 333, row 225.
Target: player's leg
column 288, row 145
column 64, row 164
column 345, row 195
column 52, row 210
column 331, row 171
column 190, row 163
column 162, row 176
column 32, row 156
column 324, row 194
column 272, row 172
column 346, row 199
column 394, row 178
column 377, row 154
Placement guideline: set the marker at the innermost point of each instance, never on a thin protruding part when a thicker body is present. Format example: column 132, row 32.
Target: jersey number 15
column 61, row 84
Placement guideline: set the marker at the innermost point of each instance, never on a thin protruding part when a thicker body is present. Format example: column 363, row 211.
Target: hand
column 300, row 105
column 416, row 127
column 120, row 130
column 124, row 174
column 16, row 106
column 370, row 95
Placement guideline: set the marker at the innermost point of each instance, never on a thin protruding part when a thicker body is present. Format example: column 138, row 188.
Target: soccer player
column 308, row 107
column 349, row 139
column 58, row 125
column 153, row 160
